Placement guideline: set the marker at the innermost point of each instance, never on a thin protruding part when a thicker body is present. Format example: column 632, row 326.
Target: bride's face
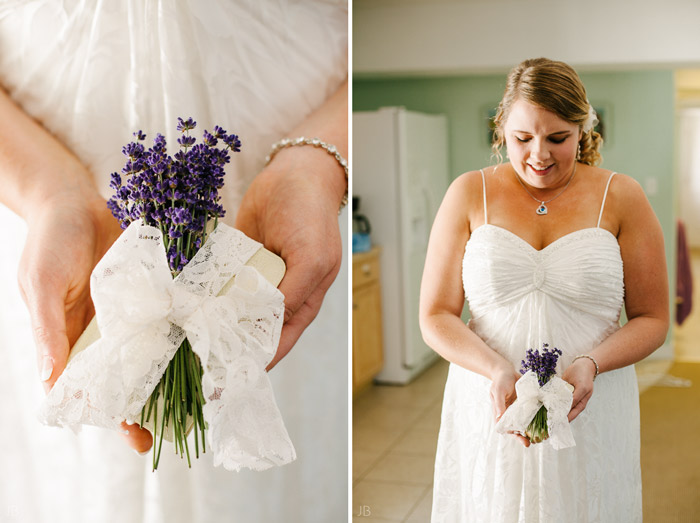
column 541, row 146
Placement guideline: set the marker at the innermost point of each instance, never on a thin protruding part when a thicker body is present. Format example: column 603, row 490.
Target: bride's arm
column 646, row 290
column 442, row 295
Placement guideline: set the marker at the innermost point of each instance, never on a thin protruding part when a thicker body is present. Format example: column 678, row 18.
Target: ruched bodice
column 576, row 283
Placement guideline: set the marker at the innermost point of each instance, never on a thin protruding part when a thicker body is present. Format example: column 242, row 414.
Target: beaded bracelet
column 597, row 369
column 316, row 142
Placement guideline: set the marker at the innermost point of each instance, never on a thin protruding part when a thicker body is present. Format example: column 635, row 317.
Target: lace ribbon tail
column 235, row 337
column 557, row 398
column 260, row 440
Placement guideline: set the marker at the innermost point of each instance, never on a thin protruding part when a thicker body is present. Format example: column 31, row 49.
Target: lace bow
column 144, row 315
column 555, row 395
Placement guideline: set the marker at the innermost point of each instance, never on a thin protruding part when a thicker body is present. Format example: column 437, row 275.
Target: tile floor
column 395, row 431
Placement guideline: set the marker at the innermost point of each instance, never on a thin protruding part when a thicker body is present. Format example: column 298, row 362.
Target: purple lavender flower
column 544, row 364
column 233, row 142
column 185, row 125
column 209, row 139
column 115, row 181
column 186, row 141
column 133, row 150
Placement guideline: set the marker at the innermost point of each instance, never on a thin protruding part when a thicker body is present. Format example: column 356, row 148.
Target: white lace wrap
column 555, row 395
column 144, row 315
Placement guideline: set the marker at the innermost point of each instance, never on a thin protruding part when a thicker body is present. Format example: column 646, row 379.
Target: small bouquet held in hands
column 545, row 367
column 543, row 401
column 179, row 196
column 188, row 312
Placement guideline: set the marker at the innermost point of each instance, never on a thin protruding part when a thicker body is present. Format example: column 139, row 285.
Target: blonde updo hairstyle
column 556, row 87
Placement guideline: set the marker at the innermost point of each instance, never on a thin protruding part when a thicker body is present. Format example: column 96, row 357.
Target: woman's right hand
column 68, row 234
column 503, row 394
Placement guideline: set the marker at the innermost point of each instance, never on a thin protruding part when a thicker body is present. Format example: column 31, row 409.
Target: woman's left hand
column 292, row 209
column 580, row 374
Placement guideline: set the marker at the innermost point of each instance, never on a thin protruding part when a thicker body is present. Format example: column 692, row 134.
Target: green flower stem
column 186, row 405
column 182, row 394
column 537, row 430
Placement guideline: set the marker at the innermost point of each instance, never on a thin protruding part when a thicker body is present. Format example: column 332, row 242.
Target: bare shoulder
column 627, row 204
column 626, row 195
column 626, row 189
column 467, row 183
column 464, row 197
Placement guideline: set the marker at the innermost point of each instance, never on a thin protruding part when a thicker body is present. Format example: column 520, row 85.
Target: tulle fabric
column 92, row 73
column 569, row 295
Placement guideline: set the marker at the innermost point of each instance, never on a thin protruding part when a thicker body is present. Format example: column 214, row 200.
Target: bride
column 546, row 248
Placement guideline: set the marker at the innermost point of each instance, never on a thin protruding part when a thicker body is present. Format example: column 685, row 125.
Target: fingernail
column 46, row 368
column 145, row 452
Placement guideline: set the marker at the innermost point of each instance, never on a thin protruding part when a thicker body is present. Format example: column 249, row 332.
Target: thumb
column 498, row 402
column 47, row 312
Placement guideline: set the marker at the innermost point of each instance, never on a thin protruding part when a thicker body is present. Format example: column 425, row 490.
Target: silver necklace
column 542, row 208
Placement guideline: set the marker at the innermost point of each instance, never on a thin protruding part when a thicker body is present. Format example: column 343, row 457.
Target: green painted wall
column 639, row 116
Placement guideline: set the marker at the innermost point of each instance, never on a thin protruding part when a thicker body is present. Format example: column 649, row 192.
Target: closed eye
column 555, row 138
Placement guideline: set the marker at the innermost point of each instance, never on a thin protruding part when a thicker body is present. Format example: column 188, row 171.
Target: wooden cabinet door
column 367, row 334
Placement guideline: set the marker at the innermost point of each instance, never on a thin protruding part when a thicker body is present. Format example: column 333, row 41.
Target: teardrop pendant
column 542, row 209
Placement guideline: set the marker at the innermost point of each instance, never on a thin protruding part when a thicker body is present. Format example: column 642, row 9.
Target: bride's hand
column 503, row 394
column 66, row 238
column 580, row 374
column 68, row 233
column 292, row 209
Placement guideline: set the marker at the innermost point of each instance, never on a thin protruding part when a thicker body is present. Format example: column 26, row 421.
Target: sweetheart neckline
column 546, row 247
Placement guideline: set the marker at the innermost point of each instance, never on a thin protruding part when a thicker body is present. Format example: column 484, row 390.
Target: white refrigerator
column 400, row 173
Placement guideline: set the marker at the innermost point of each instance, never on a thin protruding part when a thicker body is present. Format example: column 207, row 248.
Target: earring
column 578, row 152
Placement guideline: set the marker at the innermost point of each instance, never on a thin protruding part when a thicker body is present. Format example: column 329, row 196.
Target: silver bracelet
column 316, row 142
column 597, row 369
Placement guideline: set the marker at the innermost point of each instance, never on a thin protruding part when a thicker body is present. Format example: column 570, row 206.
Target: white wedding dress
column 93, row 73
column 569, row 295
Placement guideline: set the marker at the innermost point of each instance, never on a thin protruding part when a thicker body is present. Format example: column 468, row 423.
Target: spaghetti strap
column 600, row 216
column 483, row 184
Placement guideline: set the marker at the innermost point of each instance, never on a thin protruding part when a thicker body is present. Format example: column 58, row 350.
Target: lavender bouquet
column 187, row 316
column 179, row 195
column 543, row 401
column 544, row 366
